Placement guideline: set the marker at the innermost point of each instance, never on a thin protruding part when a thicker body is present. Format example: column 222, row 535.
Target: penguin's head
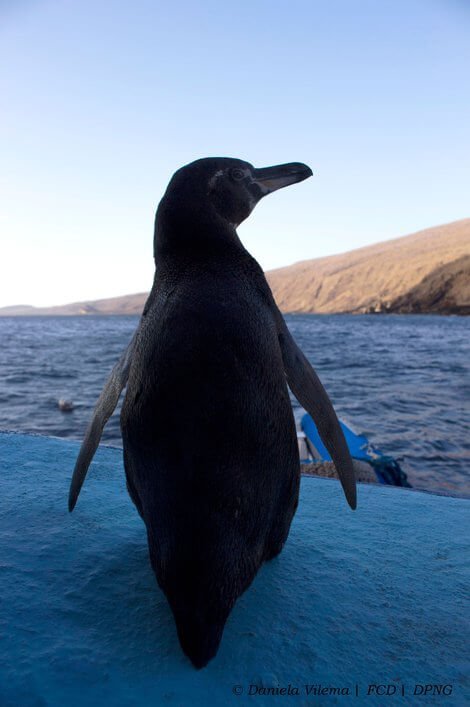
column 234, row 187
column 214, row 191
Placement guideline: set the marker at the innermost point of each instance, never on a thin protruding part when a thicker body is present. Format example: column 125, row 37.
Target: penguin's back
column 208, row 365
column 210, row 446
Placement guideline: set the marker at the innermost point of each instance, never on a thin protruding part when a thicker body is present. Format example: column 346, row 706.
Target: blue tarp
column 372, row 597
column 358, row 445
column 387, row 469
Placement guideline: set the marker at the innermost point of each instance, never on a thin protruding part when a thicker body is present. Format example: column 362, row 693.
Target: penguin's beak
column 269, row 179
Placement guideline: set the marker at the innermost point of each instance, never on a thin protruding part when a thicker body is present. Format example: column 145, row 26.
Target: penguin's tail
column 199, row 636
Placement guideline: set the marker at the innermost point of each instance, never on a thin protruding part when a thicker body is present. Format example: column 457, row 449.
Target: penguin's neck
column 192, row 231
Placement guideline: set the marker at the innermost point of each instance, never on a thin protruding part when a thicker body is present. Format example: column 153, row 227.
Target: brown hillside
column 126, row 304
column 446, row 290
column 365, row 278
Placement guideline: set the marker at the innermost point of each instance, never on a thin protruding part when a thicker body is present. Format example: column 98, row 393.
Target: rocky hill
column 369, row 278
column 127, row 304
column 445, row 290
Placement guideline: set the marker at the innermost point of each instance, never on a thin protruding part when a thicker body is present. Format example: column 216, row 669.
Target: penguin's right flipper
column 104, row 408
column 309, row 391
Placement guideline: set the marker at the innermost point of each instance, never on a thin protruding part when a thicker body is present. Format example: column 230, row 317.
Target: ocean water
column 404, row 381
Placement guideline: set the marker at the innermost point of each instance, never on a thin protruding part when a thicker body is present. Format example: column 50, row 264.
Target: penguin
column 209, row 439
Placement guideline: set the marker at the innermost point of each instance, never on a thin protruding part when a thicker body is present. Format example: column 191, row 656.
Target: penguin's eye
column 237, row 174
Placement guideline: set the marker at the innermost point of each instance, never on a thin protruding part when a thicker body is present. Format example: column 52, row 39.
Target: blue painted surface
column 374, row 596
column 387, row 470
column 358, row 445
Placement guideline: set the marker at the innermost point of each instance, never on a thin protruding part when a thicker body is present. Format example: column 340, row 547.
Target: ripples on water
column 401, row 380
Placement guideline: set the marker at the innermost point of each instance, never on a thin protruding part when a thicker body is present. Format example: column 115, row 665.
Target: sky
column 100, row 102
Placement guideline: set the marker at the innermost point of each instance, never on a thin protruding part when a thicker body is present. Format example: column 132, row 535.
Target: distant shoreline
column 424, row 273
column 99, row 315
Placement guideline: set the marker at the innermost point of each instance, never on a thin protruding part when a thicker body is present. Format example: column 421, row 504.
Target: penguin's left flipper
column 103, row 410
column 307, row 388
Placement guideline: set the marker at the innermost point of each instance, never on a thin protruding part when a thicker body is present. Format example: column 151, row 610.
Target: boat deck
column 356, row 599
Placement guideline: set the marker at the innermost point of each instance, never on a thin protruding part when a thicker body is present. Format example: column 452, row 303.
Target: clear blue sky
column 102, row 101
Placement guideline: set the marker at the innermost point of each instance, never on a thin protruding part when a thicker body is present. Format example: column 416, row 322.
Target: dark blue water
column 404, row 381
